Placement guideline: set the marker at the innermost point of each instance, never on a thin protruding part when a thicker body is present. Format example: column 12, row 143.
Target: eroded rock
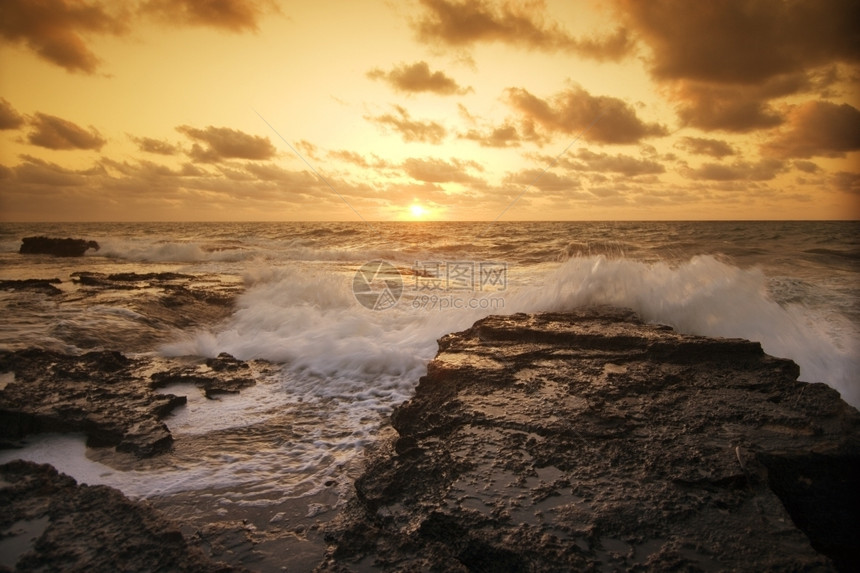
column 233, row 376
column 45, row 286
column 50, row 523
column 107, row 396
column 592, row 441
column 58, row 247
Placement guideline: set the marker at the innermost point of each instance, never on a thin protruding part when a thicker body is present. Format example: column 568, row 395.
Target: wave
column 851, row 255
column 710, row 297
column 309, row 320
column 192, row 252
column 161, row 252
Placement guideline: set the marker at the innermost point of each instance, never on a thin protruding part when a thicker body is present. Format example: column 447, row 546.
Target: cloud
column 764, row 170
column 35, row 171
column 503, row 136
column 847, row 182
column 806, row 166
column 157, row 146
column 410, row 130
column 9, row 118
column 358, row 159
column 712, row 107
column 59, row 31
column 546, row 181
column 53, row 132
column 704, row 146
column 418, row 78
column 743, row 41
column 55, row 29
column 461, row 24
column 606, row 119
column 441, row 171
column 219, row 143
column 818, row 128
column 585, row 160
column 230, row 15
column 725, row 62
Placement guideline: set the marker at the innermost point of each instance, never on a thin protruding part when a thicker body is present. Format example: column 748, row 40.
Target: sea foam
column 309, row 320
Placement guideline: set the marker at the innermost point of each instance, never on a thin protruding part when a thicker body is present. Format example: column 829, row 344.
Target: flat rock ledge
column 590, row 441
column 50, row 523
column 104, row 394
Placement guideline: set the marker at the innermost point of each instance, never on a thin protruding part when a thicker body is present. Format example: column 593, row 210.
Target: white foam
column 709, row 297
column 308, row 318
column 188, row 252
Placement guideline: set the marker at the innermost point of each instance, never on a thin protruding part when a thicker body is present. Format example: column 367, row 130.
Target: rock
column 592, row 441
column 50, row 523
column 107, row 396
column 94, row 393
column 182, row 301
column 203, row 377
column 57, row 247
column 35, row 285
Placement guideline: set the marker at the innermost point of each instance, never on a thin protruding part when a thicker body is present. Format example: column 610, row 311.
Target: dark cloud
column 231, row 15
column 157, row 146
column 418, row 78
column 738, row 109
column 704, row 146
column 59, row 30
column 818, row 128
column 806, row 166
column 727, row 60
column 55, row 29
column 606, row 119
column 9, row 118
column 55, row 133
column 410, row 130
column 462, row 24
column 441, row 171
column 764, row 170
column 743, row 41
column 215, row 144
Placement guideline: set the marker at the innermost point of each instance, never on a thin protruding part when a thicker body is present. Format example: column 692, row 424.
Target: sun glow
column 417, row 211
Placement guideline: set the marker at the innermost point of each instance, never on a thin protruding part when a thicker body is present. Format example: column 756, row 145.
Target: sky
column 267, row 110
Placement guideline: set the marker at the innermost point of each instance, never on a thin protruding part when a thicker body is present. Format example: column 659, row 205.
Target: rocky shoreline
column 577, row 441
column 590, row 441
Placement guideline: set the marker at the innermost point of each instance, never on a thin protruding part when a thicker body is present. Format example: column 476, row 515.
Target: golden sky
column 217, row 110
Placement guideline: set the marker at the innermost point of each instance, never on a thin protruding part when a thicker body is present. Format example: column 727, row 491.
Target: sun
column 417, row 211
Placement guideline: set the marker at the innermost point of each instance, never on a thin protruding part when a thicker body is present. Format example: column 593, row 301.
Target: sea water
column 343, row 364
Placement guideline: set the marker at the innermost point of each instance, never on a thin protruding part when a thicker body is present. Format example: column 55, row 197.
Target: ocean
column 349, row 314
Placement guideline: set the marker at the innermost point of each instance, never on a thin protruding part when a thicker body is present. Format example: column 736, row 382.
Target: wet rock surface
column 45, row 286
column 232, row 376
column 104, row 394
column 590, row 441
column 58, row 247
column 50, row 523
column 132, row 311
